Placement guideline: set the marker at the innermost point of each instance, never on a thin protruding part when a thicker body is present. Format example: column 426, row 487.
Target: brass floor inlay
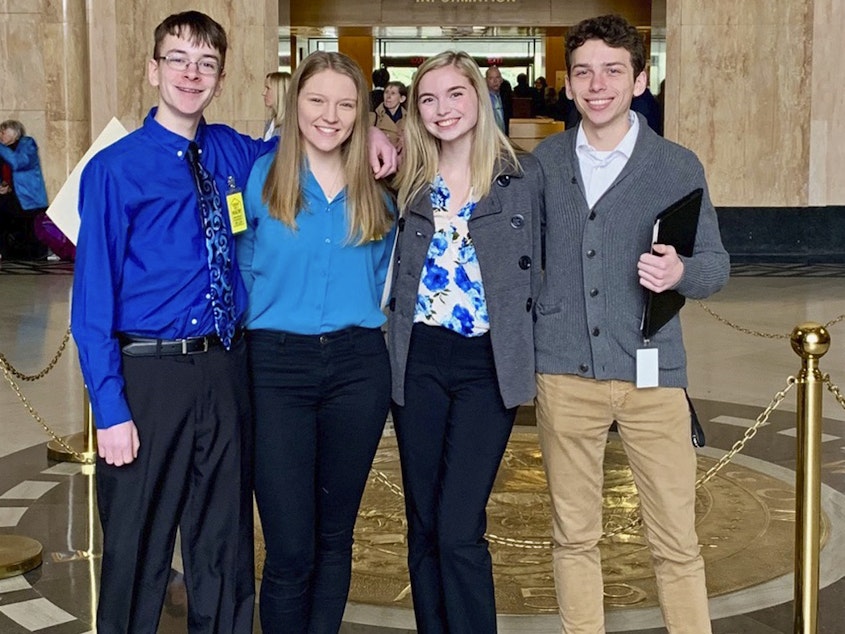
column 745, row 522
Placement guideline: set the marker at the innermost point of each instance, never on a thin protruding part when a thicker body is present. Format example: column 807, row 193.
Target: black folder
column 675, row 225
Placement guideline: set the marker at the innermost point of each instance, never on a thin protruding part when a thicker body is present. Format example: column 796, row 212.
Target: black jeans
column 320, row 406
column 452, row 433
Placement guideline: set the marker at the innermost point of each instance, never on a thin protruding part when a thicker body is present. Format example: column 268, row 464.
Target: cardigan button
column 524, row 262
column 591, row 253
column 592, row 216
column 594, row 292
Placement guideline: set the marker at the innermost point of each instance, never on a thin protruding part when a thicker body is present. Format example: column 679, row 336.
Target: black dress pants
column 452, row 433
column 193, row 471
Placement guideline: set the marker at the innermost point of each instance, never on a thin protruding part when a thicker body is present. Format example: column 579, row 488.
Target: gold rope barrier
column 80, row 447
column 757, row 333
column 810, row 341
column 19, row 554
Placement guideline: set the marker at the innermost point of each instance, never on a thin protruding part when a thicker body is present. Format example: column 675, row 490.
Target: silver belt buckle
column 205, row 344
column 184, row 346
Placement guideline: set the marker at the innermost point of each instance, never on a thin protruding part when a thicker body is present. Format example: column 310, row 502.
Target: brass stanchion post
column 82, row 445
column 810, row 341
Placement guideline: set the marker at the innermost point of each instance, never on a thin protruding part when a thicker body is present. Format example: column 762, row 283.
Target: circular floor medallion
column 745, row 524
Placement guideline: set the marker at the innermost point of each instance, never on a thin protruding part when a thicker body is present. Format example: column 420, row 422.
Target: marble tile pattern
column 36, row 614
column 733, row 375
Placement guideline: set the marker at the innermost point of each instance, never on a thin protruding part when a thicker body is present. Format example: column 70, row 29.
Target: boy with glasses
column 156, row 309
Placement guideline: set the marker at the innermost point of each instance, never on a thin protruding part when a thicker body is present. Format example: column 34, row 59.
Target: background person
column 274, row 93
column 390, row 115
column 606, row 180
column 23, row 195
column 459, row 332
column 314, row 259
column 380, row 78
column 499, row 98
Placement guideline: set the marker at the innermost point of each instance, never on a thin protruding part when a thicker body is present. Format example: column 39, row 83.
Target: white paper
column 648, row 368
column 64, row 210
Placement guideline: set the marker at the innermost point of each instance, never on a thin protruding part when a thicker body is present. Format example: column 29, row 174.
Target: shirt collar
column 311, row 188
column 625, row 147
column 172, row 142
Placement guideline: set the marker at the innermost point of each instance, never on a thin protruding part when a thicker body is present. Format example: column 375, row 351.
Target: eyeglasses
column 205, row 66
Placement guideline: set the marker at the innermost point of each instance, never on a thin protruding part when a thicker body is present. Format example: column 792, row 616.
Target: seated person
column 22, row 193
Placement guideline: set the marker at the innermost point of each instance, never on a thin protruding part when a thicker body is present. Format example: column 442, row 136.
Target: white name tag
column 648, row 368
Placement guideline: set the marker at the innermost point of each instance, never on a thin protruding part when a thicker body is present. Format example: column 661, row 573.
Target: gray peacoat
column 505, row 229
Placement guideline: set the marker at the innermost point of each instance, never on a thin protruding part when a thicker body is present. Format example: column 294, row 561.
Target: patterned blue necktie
column 218, row 244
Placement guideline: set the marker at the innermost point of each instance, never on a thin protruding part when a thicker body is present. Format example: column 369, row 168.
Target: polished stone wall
column 753, row 86
column 69, row 66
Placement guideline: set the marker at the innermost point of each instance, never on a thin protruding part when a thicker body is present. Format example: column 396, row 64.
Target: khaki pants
column 573, row 417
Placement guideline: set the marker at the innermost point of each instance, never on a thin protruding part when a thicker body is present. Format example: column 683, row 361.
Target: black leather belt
column 144, row 347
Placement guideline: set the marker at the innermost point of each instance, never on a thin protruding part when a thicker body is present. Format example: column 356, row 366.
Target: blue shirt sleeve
column 100, row 250
column 23, row 157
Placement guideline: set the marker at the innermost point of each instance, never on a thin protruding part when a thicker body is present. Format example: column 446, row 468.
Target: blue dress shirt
column 310, row 280
column 141, row 264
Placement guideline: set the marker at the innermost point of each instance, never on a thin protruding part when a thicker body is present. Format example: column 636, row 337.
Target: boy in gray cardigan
column 606, row 180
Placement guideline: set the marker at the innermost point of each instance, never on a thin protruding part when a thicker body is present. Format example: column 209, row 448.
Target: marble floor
column 734, row 370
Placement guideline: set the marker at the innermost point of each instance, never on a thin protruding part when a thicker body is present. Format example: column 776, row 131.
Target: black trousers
column 452, row 433
column 320, row 406
column 17, row 231
column 193, row 471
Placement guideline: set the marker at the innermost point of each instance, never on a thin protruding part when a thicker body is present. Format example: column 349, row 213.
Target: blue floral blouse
column 451, row 293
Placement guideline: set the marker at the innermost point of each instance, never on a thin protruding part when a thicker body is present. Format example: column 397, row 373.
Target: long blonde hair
column 421, row 150
column 278, row 83
column 366, row 209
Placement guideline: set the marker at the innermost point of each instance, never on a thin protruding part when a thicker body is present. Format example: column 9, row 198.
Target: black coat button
column 584, row 367
column 504, row 180
column 524, row 262
column 517, row 221
column 596, row 332
column 594, row 292
column 392, row 304
column 401, row 224
column 591, row 253
column 529, row 304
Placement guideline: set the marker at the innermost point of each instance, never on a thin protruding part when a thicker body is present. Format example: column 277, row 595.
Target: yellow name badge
column 235, row 204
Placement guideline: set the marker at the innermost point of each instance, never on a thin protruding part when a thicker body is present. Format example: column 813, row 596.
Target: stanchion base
column 18, row 555
column 56, row 451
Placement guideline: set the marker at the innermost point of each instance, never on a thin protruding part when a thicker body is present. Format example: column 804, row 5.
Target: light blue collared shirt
column 309, row 280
